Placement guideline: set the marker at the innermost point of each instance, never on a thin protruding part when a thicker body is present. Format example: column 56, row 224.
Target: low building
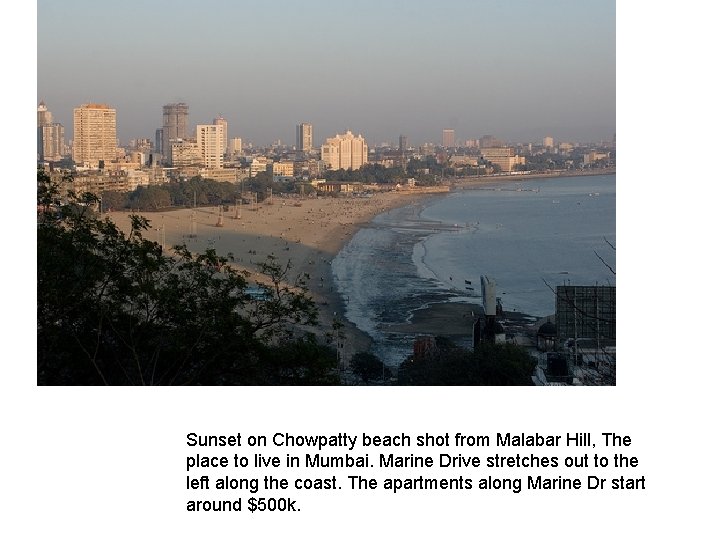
column 184, row 153
column 339, row 187
column 593, row 157
column 220, row 175
column 504, row 157
column 282, row 169
column 463, row 161
column 258, row 165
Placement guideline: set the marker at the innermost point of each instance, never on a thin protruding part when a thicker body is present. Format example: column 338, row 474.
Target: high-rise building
column 159, row 141
column 548, row 142
column 220, row 121
column 94, row 135
column 303, row 137
column 175, row 125
column 344, row 151
column 235, row 147
column 50, row 136
column 448, row 138
column 402, row 144
column 210, row 140
column 52, row 142
column 44, row 117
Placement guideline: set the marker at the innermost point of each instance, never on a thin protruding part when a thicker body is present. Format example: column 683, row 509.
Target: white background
column 109, row 462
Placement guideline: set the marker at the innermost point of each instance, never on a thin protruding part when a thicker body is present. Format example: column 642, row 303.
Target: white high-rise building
column 210, row 141
column 235, row 147
column 94, row 135
column 50, row 136
column 220, row 121
column 345, row 151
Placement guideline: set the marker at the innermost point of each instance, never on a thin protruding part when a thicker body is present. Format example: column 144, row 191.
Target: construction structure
column 175, row 126
column 487, row 329
column 585, row 312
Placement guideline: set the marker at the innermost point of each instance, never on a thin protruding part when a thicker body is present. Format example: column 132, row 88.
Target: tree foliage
column 489, row 365
column 115, row 309
column 367, row 366
column 367, row 174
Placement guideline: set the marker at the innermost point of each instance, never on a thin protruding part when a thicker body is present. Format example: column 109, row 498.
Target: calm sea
column 526, row 235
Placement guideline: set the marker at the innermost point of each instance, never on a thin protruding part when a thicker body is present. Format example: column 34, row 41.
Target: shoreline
column 470, row 181
column 309, row 235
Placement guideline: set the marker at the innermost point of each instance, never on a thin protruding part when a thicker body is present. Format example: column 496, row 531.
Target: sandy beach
column 308, row 233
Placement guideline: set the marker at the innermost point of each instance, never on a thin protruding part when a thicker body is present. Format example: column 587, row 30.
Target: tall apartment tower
column 448, row 138
column 344, row 151
column 50, row 136
column 235, row 147
column 210, row 141
column 94, row 135
column 402, row 144
column 220, row 121
column 44, row 116
column 175, row 125
column 303, row 137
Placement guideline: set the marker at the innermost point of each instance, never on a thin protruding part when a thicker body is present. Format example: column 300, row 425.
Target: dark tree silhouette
column 115, row 309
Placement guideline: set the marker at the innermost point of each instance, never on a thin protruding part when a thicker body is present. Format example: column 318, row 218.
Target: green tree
column 114, row 200
column 115, row 309
column 489, row 365
column 150, row 198
column 367, row 366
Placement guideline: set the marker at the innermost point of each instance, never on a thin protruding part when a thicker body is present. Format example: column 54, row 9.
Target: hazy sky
column 515, row 69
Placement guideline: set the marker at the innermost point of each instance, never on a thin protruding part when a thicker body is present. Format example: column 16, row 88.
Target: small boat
column 468, row 282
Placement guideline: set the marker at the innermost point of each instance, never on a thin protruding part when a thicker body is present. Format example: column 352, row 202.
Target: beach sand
column 308, row 235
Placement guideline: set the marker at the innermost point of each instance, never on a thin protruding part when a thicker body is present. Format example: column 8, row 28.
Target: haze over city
column 249, row 144
column 517, row 70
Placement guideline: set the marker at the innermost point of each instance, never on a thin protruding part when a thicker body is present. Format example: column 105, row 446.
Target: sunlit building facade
column 50, row 136
column 345, row 151
column 220, row 121
column 94, row 135
column 211, row 142
column 504, row 157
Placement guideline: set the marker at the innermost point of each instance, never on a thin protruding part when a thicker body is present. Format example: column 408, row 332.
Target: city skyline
column 516, row 71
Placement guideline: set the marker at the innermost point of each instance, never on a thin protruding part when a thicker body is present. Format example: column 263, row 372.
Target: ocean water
column 527, row 235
